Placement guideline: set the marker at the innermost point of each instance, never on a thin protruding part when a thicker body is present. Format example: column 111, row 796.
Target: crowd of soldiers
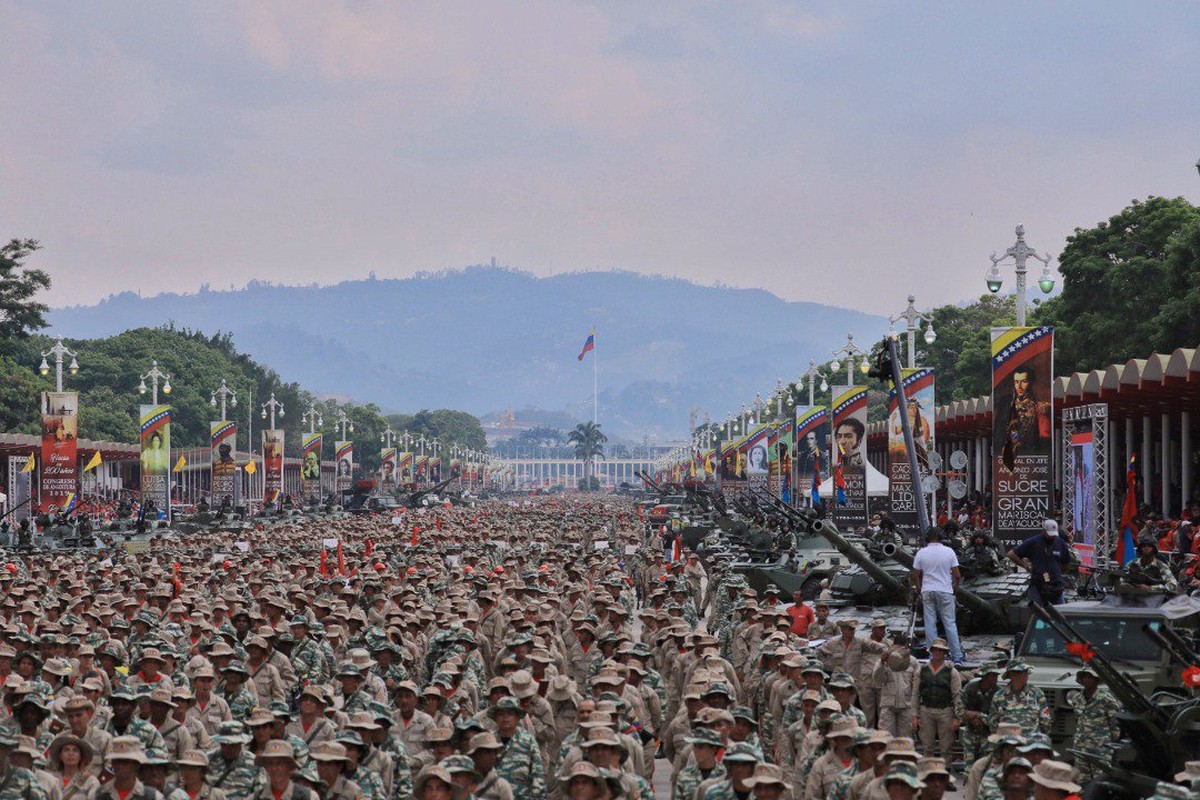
column 542, row 650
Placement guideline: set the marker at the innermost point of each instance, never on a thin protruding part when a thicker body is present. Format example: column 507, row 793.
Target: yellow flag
column 180, row 464
column 29, row 465
column 93, row 463
column 250, row 467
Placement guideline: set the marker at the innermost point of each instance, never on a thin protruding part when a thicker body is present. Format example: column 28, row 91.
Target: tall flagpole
column 595, row 385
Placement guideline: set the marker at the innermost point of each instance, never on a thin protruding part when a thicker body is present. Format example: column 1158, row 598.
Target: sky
column 846, row 153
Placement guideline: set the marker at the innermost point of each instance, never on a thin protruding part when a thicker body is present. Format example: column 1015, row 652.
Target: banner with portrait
column 155, row 441
column 310, row 466
column 388, row 468
column 904, row 490
column 344, row 458
column 779, row 462
column 1083, row 505
column 812, row 465
column 405, row 467
column 226, row 483
column 272, row 444
column 1022, row 431
column 421, row 471
column 20, row 488
column 850, row 457
column 756, row 453
column 59, row 475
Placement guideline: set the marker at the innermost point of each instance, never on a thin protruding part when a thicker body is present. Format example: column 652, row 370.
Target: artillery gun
column 1160, row 732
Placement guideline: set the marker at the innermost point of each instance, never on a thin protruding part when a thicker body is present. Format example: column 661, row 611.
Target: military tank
column 880, row 576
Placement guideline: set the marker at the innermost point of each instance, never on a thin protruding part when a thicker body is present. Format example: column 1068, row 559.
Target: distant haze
column 485, row 339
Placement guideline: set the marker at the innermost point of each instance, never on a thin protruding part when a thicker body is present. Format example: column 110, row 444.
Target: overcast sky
column 839, row 152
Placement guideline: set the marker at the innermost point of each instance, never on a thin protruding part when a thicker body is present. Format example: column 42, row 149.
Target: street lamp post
column 343, row 423
column 848, row 351
column 225, row 393
column 58, row 351
column 313, row 417
column 272, row 405
column 388, row 437
column 154, row 374
column 812, row 373
column 911, row 318
column 1020, row 253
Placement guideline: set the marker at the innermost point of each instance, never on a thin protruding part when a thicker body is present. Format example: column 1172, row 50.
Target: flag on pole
column 29, row 465
column 324, row 568
column 588, row 345
column 180, row 464
column 93, row 463
column 839, row 479
column 250, row 467
column 1126, row 546
column 341, row 559
column 69, row 506
column 816, row 483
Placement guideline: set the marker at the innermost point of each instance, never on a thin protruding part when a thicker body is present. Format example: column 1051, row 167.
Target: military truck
column 1121, row 630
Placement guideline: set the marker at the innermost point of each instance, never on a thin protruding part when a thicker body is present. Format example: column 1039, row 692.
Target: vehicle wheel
column 811, row 587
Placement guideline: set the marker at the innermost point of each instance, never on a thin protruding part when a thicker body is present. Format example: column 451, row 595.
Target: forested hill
column 484, row 338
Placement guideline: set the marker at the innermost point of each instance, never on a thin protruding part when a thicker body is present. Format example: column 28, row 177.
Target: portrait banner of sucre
column 310, row 466
column 59, row 475
column 850, row 456
column 404, row 467
column 344, row 459
column 1022, row 431
column 904, row 489
column 155, row 431
column 811, row 459
column 225, row 482
column 272, row 444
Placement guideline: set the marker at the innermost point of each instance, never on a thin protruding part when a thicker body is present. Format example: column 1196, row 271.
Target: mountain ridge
column 483, row 338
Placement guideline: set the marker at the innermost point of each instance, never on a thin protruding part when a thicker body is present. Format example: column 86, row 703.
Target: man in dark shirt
column 1044, row 556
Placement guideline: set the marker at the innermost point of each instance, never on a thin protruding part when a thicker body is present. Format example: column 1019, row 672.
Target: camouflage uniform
column 241, row 704
column 402, row 777
column 370, row 784
column 690, row 778
column 1027, row 708
column 309, row 662
column 1095, row 724
column 239, row 779
column 973, row 698
column 146, row 733
column 521, row 766
column 1156, row 574
column 17, row 783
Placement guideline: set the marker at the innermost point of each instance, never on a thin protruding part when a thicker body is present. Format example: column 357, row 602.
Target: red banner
column 59, row 476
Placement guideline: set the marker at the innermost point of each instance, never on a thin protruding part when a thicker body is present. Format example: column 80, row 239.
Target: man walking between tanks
column 1044, row 557
column 935, row 577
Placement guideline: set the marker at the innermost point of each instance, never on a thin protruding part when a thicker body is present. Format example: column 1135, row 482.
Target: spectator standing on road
column 1044, row 556
column 935, row 577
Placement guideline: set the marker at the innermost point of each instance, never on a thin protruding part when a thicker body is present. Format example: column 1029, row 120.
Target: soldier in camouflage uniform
column 971, row 708
column 307, row 658
column 739, row 762
column 125, row 723
column 1019, row 702
column 705, row 744
column 1148, row 574
column 520, row 762
column 1095, row 719
column 484, row 749
column 16, row 783
column 232, row 769
column 241, row 701
column 371, row 783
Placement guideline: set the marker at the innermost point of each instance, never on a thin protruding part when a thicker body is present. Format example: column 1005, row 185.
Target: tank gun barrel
column 1176, row 648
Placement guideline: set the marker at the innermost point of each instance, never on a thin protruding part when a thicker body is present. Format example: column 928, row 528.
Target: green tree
column 588, row 441
column 961, row 356
column 20, row 312
column 1130, row 285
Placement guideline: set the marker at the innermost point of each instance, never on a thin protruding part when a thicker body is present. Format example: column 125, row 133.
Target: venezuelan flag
column 588, row 345
column 1126, row 546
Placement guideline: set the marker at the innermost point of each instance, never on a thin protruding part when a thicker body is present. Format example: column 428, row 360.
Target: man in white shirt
column 935, row 577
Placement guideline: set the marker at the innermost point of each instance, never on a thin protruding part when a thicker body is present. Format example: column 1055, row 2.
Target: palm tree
column 588, row 441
